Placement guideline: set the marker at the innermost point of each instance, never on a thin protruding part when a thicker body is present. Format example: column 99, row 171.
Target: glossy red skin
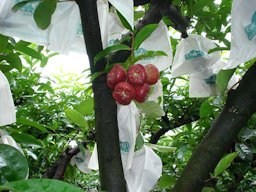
column 152, row 74
column 136, row 74
column 123, row 93
column 141, row 92
column 116, row 74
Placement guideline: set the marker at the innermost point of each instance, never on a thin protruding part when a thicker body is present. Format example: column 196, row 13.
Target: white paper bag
column 7, row 108
column 126, row 8
column 203, row 84
column 145, row 171
column 192, row 55
column 64, row 33
column 159, row 40
column 81, row 160
column 243, row 32
column 128, row 124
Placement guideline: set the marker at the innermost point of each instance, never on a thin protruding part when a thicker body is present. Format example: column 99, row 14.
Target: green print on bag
column 250, row 30
column 28, row 9
column 194, row 54
column 125, row 146
column 142, row 51
column 211, row 80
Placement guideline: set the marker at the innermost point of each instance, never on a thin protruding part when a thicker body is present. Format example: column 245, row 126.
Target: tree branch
column 57, row 170
column 171, row 125
column 110, row 164
column 240, row 106
column 141, row 2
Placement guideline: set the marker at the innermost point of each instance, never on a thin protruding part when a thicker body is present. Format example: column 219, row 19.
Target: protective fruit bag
column 81, row 160
column 64, row 33
column 7, row 108
column 126, row 8
column 192, row 55
column 243, row 32
column 203, row 84
column 162, row 44
column 145, row 171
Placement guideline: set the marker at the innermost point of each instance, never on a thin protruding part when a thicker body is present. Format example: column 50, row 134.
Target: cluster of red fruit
column 135, row 84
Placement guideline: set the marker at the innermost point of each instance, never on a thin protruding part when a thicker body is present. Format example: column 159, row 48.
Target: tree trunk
column 240, row 106
column 110, row 165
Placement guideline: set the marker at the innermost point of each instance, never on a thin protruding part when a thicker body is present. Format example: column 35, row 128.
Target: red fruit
column 116, row 74
column 137, row 74
column 141, row 92
column 152, row 74
column 123, row 93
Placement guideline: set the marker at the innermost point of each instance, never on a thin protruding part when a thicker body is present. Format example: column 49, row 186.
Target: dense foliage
column 53, row 111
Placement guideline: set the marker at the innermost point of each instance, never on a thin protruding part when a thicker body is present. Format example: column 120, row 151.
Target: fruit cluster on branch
column 133, row 84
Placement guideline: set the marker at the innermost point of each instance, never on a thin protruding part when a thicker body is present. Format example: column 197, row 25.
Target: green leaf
column 163, row 149
column 208, row 189
column 43, row 13
column 13, row 60
column 3, row 42
column 27, row 139
column 86, row 107
column 41, row 185
column 13, row 164
column 218, row 49
column 205, row 109
column 76, row 118
column 27, row 50
column 139, row 142
column 124, row 21
column 110, row 50
column 223, row 78
column 24, row 121
column 224, row 163
column 148, row 55
column 199, row 5
column 151, row 109
column 143, row 34
column 166, row 181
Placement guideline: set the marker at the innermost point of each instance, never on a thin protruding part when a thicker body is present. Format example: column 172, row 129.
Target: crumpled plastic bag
column 81, row 160
column 64, row 33
column 192, row 55
column 243, row 32
column 7, row 108
column 145, row 171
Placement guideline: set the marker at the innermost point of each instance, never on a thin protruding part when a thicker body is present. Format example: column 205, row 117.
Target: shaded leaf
column 110, row 50
column 24, row 121
column 13, row 164
column 143, row 34
column 86, row 107
column 166, row 181
column 41, row 185
column 76, row 118
column 223, row 78
column 27, row 139
column 151, row 109
column 163, row 149
column 205, row 109
column 224, row 163
column 43, row 13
